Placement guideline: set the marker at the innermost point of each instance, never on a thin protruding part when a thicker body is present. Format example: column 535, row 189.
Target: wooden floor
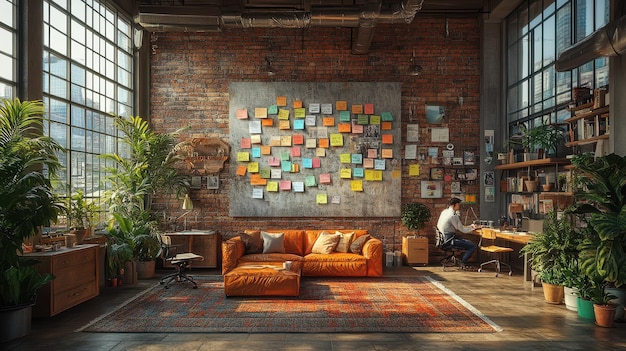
column 529, row 324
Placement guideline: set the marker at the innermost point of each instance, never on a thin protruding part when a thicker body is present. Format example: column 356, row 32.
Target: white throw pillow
column 325, row 243
column 345, row 239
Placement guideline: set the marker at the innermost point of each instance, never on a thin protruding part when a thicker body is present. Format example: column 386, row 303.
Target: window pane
column 6, row 44
column 563, row 28
column 584, row 19
column 602, row 72
column 537, row 48
column 58, row 133
column 549, row 40
column 78, row 139
column 57, row 111
column 6, row 67
column 7, row 13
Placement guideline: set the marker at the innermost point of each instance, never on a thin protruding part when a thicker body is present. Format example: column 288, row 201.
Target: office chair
column 180, row 260
column 449, row 250
column 494, row 250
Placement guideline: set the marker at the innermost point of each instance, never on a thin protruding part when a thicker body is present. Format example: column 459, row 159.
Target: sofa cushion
column 325, row 243
column 345, row 240
column 357, row 245
column 252, row 242
column 272, row 257
column 273, row 242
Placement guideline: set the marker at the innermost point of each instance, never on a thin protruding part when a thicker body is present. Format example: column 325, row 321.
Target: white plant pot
column 571, row 297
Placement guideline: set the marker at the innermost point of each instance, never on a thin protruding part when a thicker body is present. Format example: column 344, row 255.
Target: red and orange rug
column 325, row 305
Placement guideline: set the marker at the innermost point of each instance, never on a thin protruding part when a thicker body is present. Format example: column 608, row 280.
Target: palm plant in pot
column 415, row 215
column 26, row 203
column 146, row 166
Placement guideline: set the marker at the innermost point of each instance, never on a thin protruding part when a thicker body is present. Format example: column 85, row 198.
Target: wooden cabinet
column 76, row 271
column 415, row 250
column 201, row 242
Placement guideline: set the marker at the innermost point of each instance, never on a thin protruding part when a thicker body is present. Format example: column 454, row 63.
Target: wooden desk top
column 517, row 237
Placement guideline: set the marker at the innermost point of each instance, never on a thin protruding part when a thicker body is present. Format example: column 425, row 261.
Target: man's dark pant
column 465, row 244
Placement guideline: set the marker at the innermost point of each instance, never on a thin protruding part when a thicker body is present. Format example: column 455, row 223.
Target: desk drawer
column 83, row 257
column 72, row 297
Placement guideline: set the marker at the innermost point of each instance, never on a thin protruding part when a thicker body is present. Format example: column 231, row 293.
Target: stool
column 266, row 279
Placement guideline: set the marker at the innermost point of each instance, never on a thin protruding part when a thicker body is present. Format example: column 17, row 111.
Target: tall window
column 537, row 32
column 8, row 50
column 87, row 79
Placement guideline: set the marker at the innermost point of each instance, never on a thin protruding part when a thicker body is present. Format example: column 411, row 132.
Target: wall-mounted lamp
column 269, row 70
column 415, row 69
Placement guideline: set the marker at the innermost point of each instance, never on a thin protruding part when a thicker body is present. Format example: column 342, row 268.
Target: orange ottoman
column 262, row 279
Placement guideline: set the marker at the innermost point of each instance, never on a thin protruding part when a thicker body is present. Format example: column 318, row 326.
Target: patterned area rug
column 325, row 305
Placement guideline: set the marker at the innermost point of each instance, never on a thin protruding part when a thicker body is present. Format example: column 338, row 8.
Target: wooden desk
column 76, row 271
column 201, row 242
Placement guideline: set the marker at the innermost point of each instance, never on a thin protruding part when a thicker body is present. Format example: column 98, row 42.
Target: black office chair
column 181, row 260
column 451, row 252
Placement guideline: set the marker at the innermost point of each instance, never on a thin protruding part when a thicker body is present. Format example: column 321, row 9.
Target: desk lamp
column 187, row 206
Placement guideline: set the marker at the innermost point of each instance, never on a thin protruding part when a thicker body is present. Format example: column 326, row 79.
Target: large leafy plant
column 415, row 216
column 26, row 197
column 144, row 166
column 601, row 199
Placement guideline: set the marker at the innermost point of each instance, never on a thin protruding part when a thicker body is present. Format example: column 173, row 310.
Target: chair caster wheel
column 161, row 283
column 480, row 269
column 496, row 275
column 510, row 274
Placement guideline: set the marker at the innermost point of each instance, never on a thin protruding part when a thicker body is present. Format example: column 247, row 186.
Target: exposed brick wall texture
column 189, row 87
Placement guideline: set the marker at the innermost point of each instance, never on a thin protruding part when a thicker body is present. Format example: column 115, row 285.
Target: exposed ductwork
column 609, row 40
column 199, row 19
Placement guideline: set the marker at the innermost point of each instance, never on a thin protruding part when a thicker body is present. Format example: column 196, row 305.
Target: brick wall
column 191, row 72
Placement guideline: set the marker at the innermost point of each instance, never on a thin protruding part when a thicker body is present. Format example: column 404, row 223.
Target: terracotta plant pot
column 531, row 185
column 553, row 293
column 604, row 314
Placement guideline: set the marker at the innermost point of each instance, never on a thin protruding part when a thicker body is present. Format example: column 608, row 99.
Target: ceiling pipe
column 609, row 40
column 365, row 18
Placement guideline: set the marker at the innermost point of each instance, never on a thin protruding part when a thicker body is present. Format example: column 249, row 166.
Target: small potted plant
column 544, row 139
column 415, row 215
column 80, row 215
column 603, row 309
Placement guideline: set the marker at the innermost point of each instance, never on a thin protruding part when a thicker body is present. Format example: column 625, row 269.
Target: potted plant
column 550, row 253
column 415, row 216
column 601, row 202
column 148, row 167
column 545, row 139
column 80, row 215
column 603, row 309
column 584, row 304
column 26, row 203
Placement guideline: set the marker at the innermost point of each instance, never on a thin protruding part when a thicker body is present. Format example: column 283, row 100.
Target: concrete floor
column 529, row 324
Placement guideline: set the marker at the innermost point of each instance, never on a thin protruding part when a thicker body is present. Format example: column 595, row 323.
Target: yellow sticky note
column 369, row 174
column 284, row 125
column 344, row 158
column 356, row 185
column 283, row 114
column 336, row 139
column 243, row 156
column 321, row 199
column 414, row 170
column 299, row 112
column 345, row 173
column 378, row 175
column 374, row 119
column 260, row 112
column 253, row 167
column 272, row 186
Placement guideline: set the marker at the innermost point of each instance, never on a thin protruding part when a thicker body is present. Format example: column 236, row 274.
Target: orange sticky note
column 255, row 179
column 284, row 124
column 298, row 139
column 387, row 138
column 357, row 109
column 385, row 126
column 267, row 122
column 341, row 105
column 281, row 100
column 368, row 109
column 324, row 143
column 328, row 121
column 297, row 103
column 387, row 153
column 242, row 113
column 344, row 127
column 241, row 170
column 266, row 150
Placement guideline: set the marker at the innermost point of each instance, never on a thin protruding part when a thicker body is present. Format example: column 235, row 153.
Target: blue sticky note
column 357, row 172
column 307, row 162
column 285, row 166
column 256, row 152
column 298, row 124
column 357, row 159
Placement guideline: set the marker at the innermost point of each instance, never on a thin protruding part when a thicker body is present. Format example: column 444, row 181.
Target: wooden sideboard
column 201, row 242
column 76, row 272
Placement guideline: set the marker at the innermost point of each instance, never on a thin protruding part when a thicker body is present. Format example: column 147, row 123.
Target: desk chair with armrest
column 181, row 260
column 449, row 250
column 496, row 251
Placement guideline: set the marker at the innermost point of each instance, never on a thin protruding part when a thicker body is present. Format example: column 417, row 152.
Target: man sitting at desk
column 449, row 222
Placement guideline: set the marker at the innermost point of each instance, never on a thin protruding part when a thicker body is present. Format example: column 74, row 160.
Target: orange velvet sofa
column 298, row 245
